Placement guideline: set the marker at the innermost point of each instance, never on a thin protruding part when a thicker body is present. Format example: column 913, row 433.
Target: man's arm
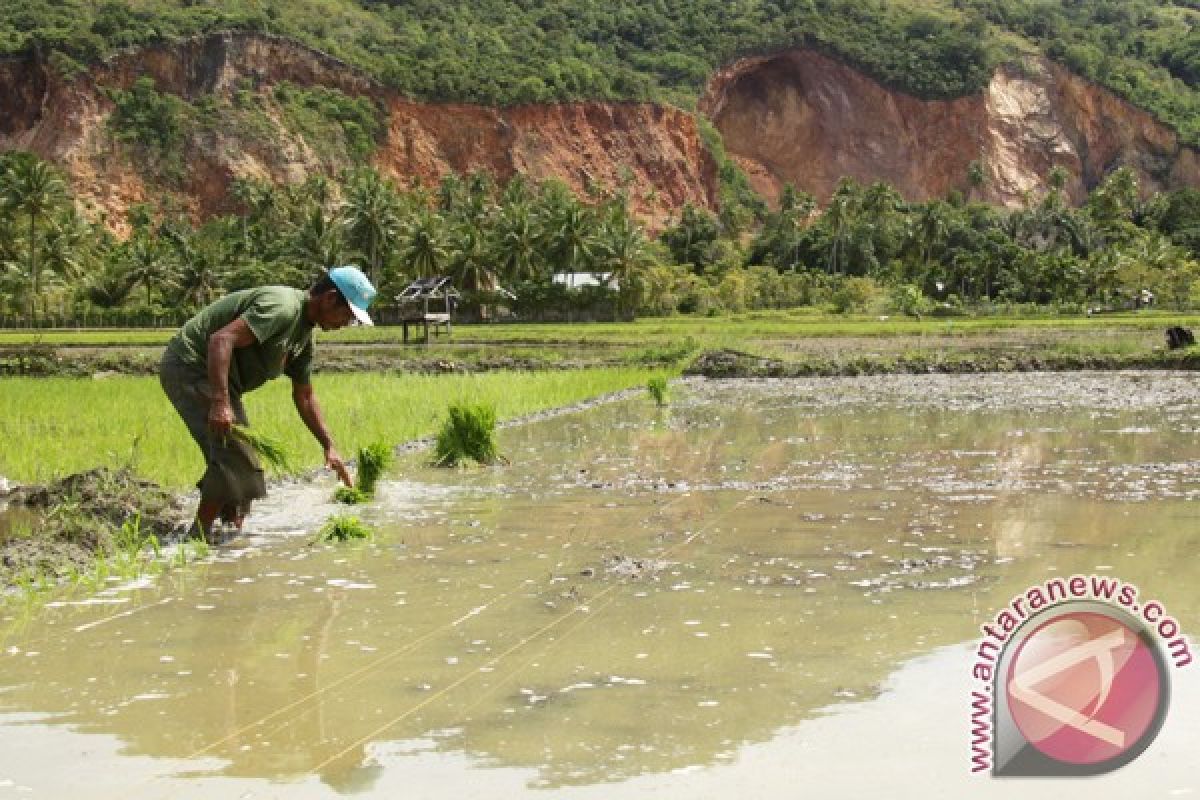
column 310, row 411
column 220, row 352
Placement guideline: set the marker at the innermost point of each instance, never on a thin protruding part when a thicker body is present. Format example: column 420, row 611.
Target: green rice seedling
column 270, row 449
column 342, row 528
column 350, row 495
column 373, row 461
column 657, row 386
column 468, row 434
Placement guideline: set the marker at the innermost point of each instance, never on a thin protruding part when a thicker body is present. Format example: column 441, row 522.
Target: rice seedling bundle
column 657, row 386
column 468, row 434
column 342, row 528
column 373, row 461
column 269, row 449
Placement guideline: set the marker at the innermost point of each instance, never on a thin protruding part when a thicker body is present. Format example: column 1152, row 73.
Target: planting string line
column 349, row 676
column 509, row 675
column 363, row 741
column 352, row 675
column 491, row 662
column 129, row 613
column 318, row 692
column 361, row 671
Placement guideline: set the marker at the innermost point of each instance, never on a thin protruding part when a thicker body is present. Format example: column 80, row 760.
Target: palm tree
column 147, row 264
column 624, row 252
column 469, row 261
column 372, row 218
column 931, row 229
column 516, row 243
column 424, row 246
column 316, row 240
column 31, row 187
column 199, row 264
column 569, row 239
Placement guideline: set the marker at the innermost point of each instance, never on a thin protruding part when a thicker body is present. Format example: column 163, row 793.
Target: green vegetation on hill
column 512, row 51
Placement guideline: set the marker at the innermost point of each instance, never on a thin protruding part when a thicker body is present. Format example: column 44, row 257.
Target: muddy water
column 762, row 585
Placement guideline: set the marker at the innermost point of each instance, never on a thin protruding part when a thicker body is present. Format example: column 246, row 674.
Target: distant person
column 236, row 345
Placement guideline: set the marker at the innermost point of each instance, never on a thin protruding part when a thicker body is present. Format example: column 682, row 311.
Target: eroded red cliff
column 653, row 151
column 803, row 118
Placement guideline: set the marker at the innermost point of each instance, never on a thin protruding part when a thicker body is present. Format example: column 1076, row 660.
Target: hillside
column 505, row 52
column 909, row 153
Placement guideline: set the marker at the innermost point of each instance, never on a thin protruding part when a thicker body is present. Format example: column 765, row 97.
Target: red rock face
column 800, row 117
column 795, row 117
column 653, row 152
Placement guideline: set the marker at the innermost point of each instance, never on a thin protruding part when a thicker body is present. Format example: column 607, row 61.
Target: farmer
column 236, row 345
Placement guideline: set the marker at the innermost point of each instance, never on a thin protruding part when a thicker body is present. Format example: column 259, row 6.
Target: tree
column 31, row 188
column 470, row 262
column 316, row 240
column 372, row 218
column 199, row 263
column 516, row 243
column 425, row 249
column 693, row 238
column 623, row 251
column 569, row 239
column 147, row 265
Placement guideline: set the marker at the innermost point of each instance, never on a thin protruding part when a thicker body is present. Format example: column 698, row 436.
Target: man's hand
column 220, row 416
column 335, row 463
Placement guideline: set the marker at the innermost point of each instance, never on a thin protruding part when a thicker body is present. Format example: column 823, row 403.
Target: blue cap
column 357, row 290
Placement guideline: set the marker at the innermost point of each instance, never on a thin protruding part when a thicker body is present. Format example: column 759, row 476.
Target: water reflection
column 802, row 550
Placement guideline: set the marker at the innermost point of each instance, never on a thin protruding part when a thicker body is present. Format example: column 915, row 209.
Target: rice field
column 52, row 427
column 659, row 331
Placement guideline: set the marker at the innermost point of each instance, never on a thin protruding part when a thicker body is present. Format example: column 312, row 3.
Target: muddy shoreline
column 734, row 364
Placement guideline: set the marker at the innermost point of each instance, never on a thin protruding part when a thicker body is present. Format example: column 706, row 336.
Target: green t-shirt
column 275, row 315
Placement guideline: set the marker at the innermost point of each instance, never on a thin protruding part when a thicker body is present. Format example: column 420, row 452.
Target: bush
column 854, row 294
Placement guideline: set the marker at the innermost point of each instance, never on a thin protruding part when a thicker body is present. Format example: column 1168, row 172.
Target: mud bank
column 728, row 364
column 101, row 362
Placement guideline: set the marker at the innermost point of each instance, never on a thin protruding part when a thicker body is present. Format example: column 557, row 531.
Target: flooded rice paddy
column 770, row 588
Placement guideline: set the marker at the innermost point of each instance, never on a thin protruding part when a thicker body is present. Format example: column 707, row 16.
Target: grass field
column 55, row 426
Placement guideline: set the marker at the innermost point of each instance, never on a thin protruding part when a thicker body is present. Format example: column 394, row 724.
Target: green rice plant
column 46, row 436
column 270, row 449
column 468, row 434
column 342, row 528
column 657, row 386
column 373, row 461
column 350, row 495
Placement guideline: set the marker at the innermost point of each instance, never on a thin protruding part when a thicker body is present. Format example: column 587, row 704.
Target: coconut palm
column 147, row 264
column 199, row 263
column 515, row 243
column 31, row 189
column 425, row 247
column 470, row 261
column 569, row 239
column 317, row 239
column 623, row 251
column 371, row 211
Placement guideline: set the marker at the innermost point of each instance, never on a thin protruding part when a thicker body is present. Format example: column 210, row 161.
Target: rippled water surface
column 768, row 587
